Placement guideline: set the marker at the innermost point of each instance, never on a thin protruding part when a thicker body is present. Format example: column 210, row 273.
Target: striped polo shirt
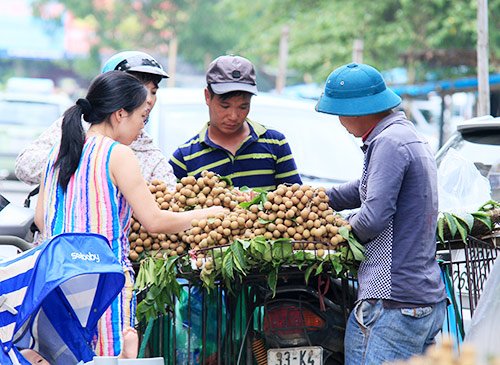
column 264, row 159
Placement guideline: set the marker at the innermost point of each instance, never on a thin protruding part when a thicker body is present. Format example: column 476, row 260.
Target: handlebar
column 15, row 241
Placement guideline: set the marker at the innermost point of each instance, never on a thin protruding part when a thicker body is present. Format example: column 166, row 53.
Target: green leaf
column 282, row 249
column 463, row 231
column 467, row 218
column 228, row 266
column 484, row 218
column 357, row 248
column 247, row 205
column 245, row 244
column 319, row 269
column 227, row 179
column 344, row 232
column 308, row 272
column 489, row 205
column 452, row 223
column 272, row 280
column 337, row 266
column 257, row 247
column 239, row 256
column 440, row 229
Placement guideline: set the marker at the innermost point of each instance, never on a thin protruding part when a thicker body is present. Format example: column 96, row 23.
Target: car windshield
column 483, row 149
column 21, row 122
column 28, row 113
column 322, row 148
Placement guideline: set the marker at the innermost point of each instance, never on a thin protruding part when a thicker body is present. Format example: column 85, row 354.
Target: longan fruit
column 147, row 243
column 133, row 255
column 269, row 235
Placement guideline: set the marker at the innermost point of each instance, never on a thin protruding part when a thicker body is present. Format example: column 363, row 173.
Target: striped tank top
column 91, row 203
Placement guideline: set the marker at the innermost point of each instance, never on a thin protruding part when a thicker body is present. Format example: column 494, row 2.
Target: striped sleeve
column 178, row 164
column 286, row 169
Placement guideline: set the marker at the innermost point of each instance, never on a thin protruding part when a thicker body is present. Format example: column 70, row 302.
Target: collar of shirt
column 256, row 130
column 380, row 126
column 365, row 136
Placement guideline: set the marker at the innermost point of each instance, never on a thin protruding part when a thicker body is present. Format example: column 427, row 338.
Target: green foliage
column 158, row 278
column 463, row 223
column 321, row 32
column 237, row 260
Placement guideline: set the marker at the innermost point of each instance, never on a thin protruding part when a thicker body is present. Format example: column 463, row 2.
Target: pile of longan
column 298, row 212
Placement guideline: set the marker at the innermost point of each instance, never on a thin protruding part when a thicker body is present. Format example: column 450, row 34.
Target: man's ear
column 208, row 96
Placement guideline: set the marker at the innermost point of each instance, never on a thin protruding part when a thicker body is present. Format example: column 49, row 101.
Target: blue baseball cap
column 356, row 90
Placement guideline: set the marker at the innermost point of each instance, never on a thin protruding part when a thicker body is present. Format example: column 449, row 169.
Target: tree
column 395, row 33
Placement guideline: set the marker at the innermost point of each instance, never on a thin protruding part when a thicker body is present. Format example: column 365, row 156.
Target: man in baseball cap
column 400, row 287
column 231, row 73
column 230, row 144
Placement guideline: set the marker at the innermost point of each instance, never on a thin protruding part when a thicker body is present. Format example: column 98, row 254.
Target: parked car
column 323, row 150
column 23, row 117
column 478, row 140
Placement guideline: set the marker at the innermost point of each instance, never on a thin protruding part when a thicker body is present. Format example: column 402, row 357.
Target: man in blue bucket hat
column 401, row 298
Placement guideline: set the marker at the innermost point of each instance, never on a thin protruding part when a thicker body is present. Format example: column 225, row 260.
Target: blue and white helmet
column 134, row 61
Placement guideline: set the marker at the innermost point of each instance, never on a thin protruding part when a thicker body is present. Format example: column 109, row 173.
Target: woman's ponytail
column 108, row 92
column 72, row 140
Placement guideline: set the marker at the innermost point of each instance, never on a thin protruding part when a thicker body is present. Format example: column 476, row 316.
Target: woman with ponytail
column 93, row 182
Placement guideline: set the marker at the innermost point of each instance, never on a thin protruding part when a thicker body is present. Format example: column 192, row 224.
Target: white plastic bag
column 461, row 187
column 483, row 331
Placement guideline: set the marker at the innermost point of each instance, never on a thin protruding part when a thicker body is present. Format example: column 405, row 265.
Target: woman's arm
column 39, row 210
column 126, row 174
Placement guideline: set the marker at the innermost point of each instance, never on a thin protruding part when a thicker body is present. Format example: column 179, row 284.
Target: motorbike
column 16, row 227
column 303, row 323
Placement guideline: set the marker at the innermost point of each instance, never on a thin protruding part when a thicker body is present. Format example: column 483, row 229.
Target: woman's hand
column 215, row 210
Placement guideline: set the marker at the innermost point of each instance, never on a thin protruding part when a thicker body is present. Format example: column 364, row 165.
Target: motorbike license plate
column 312, row 355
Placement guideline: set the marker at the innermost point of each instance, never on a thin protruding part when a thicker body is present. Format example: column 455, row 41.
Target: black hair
column 108, row 92
column 146, row 78
column 228, row 95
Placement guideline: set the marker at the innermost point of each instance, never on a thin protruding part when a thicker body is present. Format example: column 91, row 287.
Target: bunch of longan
column 190, row 193
column 298, row 212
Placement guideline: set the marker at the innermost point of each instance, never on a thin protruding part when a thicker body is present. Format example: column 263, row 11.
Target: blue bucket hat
column 356, row 90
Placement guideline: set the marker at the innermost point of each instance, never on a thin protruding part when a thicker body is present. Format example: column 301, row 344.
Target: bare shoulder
column 122, row 153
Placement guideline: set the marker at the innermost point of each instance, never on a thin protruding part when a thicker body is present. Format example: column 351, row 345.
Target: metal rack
column 465, row 268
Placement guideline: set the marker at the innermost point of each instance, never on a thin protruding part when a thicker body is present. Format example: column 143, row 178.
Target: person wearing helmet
column 154, row 165
column 401, row 297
